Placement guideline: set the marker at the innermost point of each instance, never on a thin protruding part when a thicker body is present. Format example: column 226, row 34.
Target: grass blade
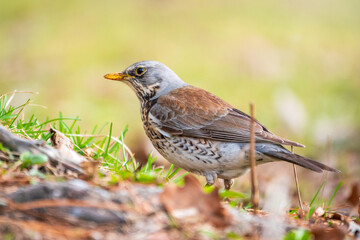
column 54, row 120
column 109, row 140
column 317, row 193
column 18, row 114
column 173, row 173
column 333, row 195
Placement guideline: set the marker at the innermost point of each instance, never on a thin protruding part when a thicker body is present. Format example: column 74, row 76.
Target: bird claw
column 210, row 178
column 228, row 183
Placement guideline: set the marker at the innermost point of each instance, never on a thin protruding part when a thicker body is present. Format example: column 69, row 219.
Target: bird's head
column 149, row 79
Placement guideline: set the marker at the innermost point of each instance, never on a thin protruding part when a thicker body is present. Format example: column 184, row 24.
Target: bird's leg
column 210, row 178
column 228, row 183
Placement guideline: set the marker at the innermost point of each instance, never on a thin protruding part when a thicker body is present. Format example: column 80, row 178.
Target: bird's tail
column 301, row 161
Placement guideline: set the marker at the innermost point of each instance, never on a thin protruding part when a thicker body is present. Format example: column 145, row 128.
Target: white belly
column 226, row 160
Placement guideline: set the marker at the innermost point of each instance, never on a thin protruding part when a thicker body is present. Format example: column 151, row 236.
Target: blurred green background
column 298, row 61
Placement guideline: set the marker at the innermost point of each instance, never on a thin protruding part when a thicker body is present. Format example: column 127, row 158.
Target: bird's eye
column 140, row 71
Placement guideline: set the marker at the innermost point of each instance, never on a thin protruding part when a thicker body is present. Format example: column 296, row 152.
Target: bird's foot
column 210, row 178
column 228, row 183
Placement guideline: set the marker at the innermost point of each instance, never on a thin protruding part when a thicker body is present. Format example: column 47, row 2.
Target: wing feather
column 193, row 112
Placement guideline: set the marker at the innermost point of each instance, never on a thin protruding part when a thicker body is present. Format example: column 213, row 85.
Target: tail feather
column 301, row 161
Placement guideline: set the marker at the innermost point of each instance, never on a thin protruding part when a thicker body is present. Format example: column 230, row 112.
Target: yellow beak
column 117, row 76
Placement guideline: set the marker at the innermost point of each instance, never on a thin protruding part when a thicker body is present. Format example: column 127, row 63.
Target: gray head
column 148, row 79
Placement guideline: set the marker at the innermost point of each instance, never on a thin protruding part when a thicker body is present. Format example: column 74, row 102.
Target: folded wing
column 193, row 112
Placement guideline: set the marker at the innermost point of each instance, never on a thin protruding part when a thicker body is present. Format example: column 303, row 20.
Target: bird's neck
column 145, row 109
column 144, row 94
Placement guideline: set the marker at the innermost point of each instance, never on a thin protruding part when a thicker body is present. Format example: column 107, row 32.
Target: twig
column 48, row 203
column 297, row 185
column 327, row 161
column 47, row 230
column 10, row 99
column 13, row 168
column 14, row 92
column 254, row 184
column 19, row 145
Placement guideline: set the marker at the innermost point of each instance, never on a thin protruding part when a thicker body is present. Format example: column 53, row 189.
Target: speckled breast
column 192, row 154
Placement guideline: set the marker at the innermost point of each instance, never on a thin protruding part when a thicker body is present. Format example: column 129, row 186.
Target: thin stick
column 254, row 183
column 297, row 184
column 328, row 157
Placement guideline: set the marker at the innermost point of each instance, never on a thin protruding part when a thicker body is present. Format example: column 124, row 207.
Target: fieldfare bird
column 198, row 131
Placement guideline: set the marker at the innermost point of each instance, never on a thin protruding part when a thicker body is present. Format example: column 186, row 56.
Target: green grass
column 317, row 194
column 316, row 202
column 111, row 151
column 333, row 195
column 298, row 234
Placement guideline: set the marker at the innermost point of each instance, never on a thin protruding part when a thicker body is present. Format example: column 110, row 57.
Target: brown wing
column 193, row 112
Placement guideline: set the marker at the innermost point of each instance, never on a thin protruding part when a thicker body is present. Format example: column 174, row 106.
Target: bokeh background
column 298, row 61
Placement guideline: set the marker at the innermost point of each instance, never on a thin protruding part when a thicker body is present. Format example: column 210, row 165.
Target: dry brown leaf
column 163, row 235
column 322, row 232
column 191, row 203
column 89, row 152
column 353, row 198
column 336, row 216
column 90, row 168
